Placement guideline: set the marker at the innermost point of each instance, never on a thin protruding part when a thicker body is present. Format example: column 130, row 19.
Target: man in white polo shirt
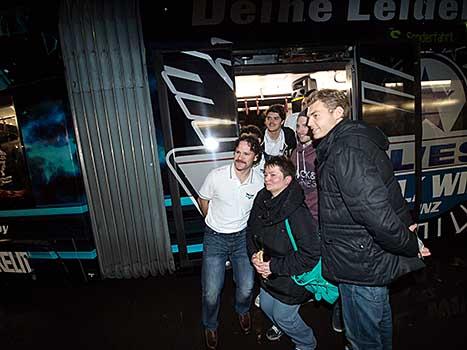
column 226, row 198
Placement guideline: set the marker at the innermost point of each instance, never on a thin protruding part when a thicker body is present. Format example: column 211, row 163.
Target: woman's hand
column 260, row 266
column 265, row 270
column 256, row 260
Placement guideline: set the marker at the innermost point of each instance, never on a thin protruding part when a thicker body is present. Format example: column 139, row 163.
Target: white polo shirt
column 230, row 201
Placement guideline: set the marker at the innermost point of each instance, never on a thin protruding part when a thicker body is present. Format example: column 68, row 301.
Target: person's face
column 274, row 180
column 244, row 156
column 302, row 130
column 273, row 121
column 322, row 120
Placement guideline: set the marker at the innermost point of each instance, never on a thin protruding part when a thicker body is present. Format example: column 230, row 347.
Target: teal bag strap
column 289, row 232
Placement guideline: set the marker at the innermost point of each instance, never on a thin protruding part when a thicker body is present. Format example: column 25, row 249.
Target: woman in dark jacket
column 272, row 253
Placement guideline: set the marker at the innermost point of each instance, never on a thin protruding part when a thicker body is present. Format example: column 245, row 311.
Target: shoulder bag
column 313, row 280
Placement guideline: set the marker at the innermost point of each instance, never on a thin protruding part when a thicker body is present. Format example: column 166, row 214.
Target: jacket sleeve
column 304, row 231
column 367, row 199
column 252, row 223
column 290, row 138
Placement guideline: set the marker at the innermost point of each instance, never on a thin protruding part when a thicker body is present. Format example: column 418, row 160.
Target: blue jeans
column 217, row 248
column 367, row 316
column 287, row 318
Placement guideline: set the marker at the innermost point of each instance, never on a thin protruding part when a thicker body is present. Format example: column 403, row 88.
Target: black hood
column 277, row 209
column 351, row 128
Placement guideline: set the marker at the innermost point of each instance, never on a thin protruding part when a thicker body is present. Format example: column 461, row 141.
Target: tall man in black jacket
column 366, row 242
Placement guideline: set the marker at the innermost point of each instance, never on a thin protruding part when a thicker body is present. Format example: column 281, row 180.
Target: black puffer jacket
column 266, row 230
column 364, row 219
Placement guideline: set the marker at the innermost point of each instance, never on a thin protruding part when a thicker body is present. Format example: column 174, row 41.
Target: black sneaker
column 336, row 321
column 274, row 333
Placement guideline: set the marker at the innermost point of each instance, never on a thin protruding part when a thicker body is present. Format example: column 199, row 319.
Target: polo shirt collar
column 233, row 175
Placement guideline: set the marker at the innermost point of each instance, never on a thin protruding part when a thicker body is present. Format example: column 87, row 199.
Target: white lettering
column 385, row 10
column 354, row 12
column 436, row 206
column 14, row 262
column 23, row 259
column 266, row 11
column 424, row 9
column 423, row 227
column 243, row 12
column 6, row 259
column 320, row 10
column 200, row 17
column 446, row 186
column 462, row 183
column 439, row 227
column 4, row 229
column 297, row 11
column 404, row 13
column 448, row 9
column 430, row 207
column 456, row 224
column 2, row 266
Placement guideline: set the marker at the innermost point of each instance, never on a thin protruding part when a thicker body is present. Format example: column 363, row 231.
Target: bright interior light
column 437, row 83
column 211, row 143
column 281, row 84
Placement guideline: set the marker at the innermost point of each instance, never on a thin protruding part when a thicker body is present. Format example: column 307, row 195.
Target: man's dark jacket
column 266, row 230
column 364, row 219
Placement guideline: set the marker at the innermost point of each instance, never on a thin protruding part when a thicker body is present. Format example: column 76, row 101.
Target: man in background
column 278, row 140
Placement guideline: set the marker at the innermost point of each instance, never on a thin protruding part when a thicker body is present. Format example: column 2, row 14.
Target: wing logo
column 204, row 91
column 443, row 95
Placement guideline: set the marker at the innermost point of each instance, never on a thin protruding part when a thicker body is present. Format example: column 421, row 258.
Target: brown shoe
column 211, row 339
column 245, row 322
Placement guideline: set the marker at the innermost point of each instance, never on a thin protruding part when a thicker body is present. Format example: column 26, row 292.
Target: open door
column 199, row 120
column 386, row 94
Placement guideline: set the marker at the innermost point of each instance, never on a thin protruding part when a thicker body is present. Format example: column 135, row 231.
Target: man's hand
column 424, row 251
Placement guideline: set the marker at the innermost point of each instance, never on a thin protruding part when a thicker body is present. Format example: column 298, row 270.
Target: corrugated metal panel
column 107, row 81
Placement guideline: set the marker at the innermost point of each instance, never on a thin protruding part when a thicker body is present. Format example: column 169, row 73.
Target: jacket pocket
column 348, row 257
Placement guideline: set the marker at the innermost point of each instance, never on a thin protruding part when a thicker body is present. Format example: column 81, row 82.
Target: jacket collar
column 356, row 128
column 324, row 147
column 277, row 209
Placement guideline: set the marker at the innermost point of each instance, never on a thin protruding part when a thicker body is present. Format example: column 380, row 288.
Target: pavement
column 164, row 312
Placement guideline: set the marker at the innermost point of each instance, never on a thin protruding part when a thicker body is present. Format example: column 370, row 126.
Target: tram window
column 393, row 121
column 255, row 93
column 13, row 174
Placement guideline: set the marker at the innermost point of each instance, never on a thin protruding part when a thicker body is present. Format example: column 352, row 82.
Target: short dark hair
column 279, row 109
column 331, row 99
column 251, row 129
column 283, row 163
column 255, row 147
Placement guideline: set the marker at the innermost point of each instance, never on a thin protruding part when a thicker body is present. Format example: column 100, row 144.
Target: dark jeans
column 217, row 248
column 367, row 316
